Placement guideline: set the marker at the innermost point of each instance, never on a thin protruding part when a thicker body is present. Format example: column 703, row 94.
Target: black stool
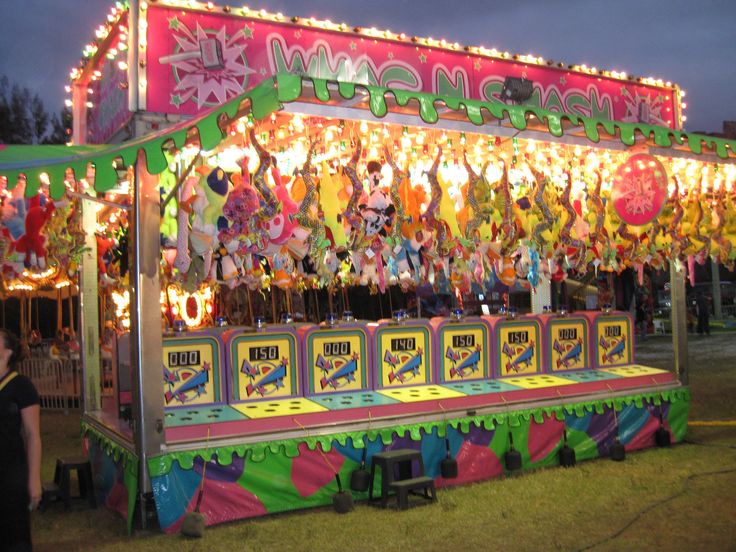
column 59, row 488
column 397, row 476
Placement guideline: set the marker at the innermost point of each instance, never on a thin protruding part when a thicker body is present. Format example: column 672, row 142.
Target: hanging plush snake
column 678, row 244
column 651, row 248
column 566, row 231
column 720, row 212
column 705, row 240
column 541, row 204
column 271, row 204
column 310, row 189
column 434, row 203
column 351, row 213
column 313, row 222
column 508, row 225
column 599, row 208
column 399, row 216
column 478, row 214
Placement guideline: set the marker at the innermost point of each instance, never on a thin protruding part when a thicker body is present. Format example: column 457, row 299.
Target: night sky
column 688, row 42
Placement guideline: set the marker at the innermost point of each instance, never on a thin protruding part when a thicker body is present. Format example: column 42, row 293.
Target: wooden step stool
column 410, row 486
column 59, row 488
column 399, row 477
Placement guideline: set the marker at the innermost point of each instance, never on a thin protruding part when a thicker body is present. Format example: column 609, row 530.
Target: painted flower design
column 209, row 66
column 638, row 193
column 639, row 189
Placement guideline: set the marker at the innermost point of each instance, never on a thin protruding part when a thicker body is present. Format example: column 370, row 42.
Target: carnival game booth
column 302, row 182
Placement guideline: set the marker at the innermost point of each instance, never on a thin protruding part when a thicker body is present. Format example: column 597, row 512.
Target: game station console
column 519, row 352
column 337, row 360
column 463, row 353
column 194, row 377
column 264, row 370
column 403, row 352
column 570, row 346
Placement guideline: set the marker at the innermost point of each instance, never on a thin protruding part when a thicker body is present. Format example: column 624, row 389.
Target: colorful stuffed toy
column 105, row 245
column 377, row 211
column 32, row 244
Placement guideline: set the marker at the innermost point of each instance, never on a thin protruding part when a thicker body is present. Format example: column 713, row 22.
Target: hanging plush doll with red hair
column 32, row 244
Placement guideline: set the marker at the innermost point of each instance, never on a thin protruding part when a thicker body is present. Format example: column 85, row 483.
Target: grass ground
column 680, row 498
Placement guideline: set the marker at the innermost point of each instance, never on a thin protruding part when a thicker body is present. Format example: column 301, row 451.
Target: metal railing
column 58, row 381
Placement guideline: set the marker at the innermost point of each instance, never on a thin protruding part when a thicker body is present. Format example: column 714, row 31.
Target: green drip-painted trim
column 518, row 116
column 264, row 100
column 269, row 96
column 129, row 462
column 160, row 465
column 111, row 448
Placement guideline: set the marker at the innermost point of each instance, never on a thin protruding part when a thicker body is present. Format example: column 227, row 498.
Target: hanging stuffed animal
column 283, row 229
column 270, row 201
column 201, row 241
column 32, row 244
column 432, row 222
column 330, row 201
column 475, row 181
column 308, row 214
column 398, row 176
column 105, row 245
column 575, row 247
column 680, row 241
column 225, row 264
column 240, row 210
column 597, row 213
column 352, row 214
column 505, row 205
column 721, row 246
column 169, row 218
column 182, row 259
column 377, row 211
column 541, row 231
column 14, row 211
column 217, row 190
column 700, row 242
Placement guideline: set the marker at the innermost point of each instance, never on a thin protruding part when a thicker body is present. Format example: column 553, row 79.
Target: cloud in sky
column 690, row 43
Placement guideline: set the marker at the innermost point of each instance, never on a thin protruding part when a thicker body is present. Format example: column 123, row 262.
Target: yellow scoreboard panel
column 518, row 345
column 336, row 360
column 403, row 355
column 191, row 370
column 265, row 365
column 568, row 344
column 613, row 341
column 463, row 351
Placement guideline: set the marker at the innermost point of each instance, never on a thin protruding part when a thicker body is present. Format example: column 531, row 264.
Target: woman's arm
column 32, row 436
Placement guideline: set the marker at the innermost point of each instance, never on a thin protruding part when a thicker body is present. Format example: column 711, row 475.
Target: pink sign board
column 109, row 111
column 195, row 60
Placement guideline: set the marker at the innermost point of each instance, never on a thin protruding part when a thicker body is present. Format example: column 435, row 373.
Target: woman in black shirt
column 20, row 449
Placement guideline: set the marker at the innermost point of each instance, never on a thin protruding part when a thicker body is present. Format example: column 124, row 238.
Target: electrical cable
column 653, row 505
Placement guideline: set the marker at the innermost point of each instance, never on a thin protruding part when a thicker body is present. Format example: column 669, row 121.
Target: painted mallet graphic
column 210, row 52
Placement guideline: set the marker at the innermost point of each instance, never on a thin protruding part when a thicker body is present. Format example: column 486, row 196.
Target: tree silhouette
column 24, row 119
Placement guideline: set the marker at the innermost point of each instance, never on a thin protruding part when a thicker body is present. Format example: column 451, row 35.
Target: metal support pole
column 133, row 15
column 542, row 296
column 145, row 315
column 79, row 113
column 89, row 314
column 679, row 319
column 717, row 299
